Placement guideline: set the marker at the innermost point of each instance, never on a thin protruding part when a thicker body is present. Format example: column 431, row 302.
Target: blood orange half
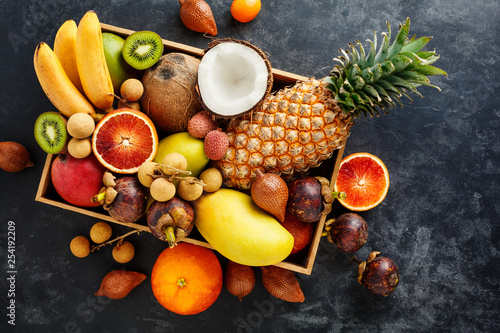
column 365, row 180
column 124, row 139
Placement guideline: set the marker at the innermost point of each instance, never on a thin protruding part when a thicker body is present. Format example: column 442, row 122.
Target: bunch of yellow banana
column 91, row 62
column 75, row 75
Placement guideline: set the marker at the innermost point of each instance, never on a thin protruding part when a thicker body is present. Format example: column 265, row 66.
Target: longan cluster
column 170, row 178
column 100, row 233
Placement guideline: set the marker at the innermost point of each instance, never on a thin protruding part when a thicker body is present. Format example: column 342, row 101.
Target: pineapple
column 300, row 126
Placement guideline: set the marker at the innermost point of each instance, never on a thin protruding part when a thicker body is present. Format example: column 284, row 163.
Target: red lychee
column 216, row 143
column 200, row 124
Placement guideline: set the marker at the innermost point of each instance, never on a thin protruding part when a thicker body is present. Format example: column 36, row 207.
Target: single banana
column 91, row 62
column 57, row 85
column 65, row 49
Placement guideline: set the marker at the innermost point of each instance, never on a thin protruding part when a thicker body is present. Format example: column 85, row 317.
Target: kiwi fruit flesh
column 50, row 132
column 142, row 49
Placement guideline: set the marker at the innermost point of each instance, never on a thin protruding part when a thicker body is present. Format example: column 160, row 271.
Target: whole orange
column 187, row 279
column 245, row 10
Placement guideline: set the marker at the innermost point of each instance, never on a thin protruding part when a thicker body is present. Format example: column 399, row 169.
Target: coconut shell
column 170, row 97
column 270, row 77
column 282, row 283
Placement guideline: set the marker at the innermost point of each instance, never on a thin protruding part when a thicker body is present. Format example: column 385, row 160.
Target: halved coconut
column 234, row 77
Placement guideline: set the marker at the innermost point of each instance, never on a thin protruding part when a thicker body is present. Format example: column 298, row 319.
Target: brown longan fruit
column 80, row 246
column 80, row 125
column 173, row 160
column 189, row 189
column 212, row 178
column 124, row 252
column 100, row 232
column 79, row 148
column 133, row 105
column 131, row 90
column 145, row 171
column 162, row 189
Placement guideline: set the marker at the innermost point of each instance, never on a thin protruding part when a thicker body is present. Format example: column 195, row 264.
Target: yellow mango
column 239, row 230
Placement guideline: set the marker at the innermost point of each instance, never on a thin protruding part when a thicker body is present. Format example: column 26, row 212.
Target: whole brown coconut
column 170, row 98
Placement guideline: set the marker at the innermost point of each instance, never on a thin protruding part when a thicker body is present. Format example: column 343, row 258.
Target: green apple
column 184, row 143
column 119, row 70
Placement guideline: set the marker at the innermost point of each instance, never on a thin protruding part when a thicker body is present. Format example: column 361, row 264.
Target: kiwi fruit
column 142, row 49
column 50, row 132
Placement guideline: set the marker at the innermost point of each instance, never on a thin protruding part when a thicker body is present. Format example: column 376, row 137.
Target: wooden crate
column 301, row 262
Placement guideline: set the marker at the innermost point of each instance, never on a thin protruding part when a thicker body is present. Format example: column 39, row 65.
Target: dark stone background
column 439, row 221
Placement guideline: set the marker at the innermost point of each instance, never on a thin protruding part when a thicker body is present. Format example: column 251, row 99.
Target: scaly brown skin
column 130, row 202
column 305, row 200
column 349, row 232
column 380, row 276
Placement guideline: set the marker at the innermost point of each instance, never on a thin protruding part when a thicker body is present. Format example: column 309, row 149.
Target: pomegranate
column 77, row 180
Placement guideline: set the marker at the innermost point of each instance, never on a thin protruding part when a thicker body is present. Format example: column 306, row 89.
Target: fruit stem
column 339, row 195
column 99, row 197
column 185, row 172
column 97, row 247
column 356, row 260
column 170, row 234
column 181, row 282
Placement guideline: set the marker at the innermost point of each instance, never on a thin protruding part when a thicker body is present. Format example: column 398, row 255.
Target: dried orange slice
column 365, row 180
column 124, row 139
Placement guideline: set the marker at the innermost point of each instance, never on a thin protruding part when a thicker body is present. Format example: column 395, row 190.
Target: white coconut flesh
column 232, row 79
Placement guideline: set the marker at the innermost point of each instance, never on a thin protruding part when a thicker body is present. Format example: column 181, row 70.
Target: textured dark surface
column 439, row 221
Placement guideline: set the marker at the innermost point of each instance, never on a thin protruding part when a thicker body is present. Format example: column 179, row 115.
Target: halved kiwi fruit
column 50, row 132
column 142, row 49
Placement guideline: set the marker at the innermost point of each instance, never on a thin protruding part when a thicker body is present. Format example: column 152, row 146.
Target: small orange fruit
column 187, row 279
column 365, row 180
column 124, row 139
column 245, row 10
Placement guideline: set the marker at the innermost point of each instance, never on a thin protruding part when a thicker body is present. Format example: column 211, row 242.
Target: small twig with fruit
column 119, row 239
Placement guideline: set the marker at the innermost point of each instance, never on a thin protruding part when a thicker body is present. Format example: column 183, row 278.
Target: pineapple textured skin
column 299, row 127
column 295, row 129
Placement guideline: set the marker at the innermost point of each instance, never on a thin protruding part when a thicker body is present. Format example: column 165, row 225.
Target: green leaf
column 362, row 56
column 389, row 87
column 384, row 49
column 381, row 91
column 365, row 97
column 400, row 39
column 377, row 71
column 415, row 60
column 387, row 67
column 347, row 86
column 372, row 92
column 355, row 71
column 357, row 82
column 357, row 98
column 355, row 54
column 414, row 77
column 372, row 53
column 399, row 82
column 416, row 45
column 400, row 62
column 429, row 70
column 368, row 76
column 425, row 54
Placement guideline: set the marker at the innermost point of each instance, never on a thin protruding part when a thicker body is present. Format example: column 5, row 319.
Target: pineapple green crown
column 366, row 83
